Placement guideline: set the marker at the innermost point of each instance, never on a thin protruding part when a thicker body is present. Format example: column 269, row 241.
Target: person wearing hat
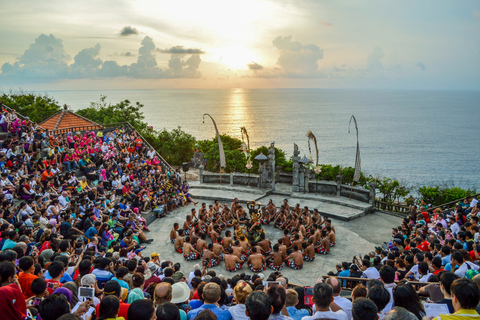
column 180, row 295
column 164, row 293
column 211, row 295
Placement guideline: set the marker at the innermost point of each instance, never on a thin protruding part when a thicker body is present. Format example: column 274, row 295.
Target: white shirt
column 339, row 315
column 414, row 270
column 473, row 203
column 238, row 312
column 151, row 154
column 371, row 273
column 63, row 201
column 345, row 304
column 425, row 277
column 455, row 228
column 461, row 270
column 389, row 306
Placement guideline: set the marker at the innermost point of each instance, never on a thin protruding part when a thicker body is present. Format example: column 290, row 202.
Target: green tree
column 123, row 111
column 235, row 160
column 175, row 146
column 35, row 106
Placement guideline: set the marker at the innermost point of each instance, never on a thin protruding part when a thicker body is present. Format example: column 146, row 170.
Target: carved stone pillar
column 296, row 166
column 339, row 184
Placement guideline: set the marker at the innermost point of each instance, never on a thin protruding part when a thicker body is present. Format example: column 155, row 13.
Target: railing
column 448, row 205
column 17, row 113
column 76, row 129
column 388, row 206
column 112, row 125
column 350, row 282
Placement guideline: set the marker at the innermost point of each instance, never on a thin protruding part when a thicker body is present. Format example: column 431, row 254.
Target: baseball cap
column 155, row 255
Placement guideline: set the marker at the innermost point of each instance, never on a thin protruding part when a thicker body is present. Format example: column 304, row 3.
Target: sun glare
column 235, row 57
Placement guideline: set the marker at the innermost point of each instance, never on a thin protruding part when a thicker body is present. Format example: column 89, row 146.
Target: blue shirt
column 297, row 314
column 344, row 273
column 91, row 232
column 122, row 283
column 446, row 260
column 221, row 314
column 66, row 277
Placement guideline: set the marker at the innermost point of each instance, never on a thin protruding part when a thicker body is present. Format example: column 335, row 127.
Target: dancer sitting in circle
column 189, row 253
column 232, row 262
column 256, row 261
column 295, row 259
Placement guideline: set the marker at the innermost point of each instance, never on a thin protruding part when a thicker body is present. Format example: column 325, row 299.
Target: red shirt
column 122, row 312
column 423, row 246
column 439, row 270
column 12, row 302
column 50, row 291
column 25, row 280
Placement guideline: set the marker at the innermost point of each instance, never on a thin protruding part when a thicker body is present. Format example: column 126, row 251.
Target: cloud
column 128, row 30
column 46, row 59
column 476, row 13
column 421, row 65
column 374, row 62
column 86, row 63
column 254, row 66
column 298, row 60
column 181, row 50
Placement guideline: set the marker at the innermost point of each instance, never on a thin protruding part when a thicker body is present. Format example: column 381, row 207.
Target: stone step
column 331, row 210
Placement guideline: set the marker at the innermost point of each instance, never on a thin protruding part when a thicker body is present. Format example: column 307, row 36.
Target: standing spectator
column 142, row 310
column 364, row 309
column 465, row 298
column 258, row 306
column 343, row 303
column 405, row 296
column 399, row 313
column 211, row 295
column 240, row 293
column 277, row 295
column 291, row 302
column 323, row 297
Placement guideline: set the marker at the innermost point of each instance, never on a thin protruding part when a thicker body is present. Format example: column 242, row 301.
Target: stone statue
column 296, row 166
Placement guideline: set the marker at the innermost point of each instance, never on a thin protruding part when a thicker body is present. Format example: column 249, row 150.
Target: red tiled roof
column 66, row 119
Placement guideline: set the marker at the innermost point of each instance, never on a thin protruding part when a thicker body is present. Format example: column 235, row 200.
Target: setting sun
column 236, row 57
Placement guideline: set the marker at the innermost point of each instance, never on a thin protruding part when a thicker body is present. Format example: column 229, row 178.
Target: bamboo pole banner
column 311, row 136
column 356, row 175
column 220, row 144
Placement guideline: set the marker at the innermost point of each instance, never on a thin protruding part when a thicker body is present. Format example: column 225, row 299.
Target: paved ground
column 357, row 236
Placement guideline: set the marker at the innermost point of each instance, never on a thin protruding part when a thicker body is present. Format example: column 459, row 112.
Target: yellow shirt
column 83, row 184
column 462, row 314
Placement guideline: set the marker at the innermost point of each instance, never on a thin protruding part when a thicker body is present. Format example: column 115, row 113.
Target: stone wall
column 323, row 187
column 283, row 177
column 356, row 193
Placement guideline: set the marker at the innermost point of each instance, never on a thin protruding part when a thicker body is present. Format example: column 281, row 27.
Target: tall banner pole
column 356, row 174
column 220, row 146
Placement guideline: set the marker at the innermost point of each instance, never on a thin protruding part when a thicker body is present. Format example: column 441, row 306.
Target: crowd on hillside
column 72, row 232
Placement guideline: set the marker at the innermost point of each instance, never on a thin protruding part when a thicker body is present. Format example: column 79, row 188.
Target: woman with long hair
column 405, row 296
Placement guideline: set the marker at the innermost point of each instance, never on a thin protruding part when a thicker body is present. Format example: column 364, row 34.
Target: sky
column 148, row 44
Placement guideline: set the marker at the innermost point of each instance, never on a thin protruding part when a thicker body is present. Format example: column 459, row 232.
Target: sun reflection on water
column 238, row 114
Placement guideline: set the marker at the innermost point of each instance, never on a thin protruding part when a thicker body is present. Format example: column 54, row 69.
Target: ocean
column 420, row 137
